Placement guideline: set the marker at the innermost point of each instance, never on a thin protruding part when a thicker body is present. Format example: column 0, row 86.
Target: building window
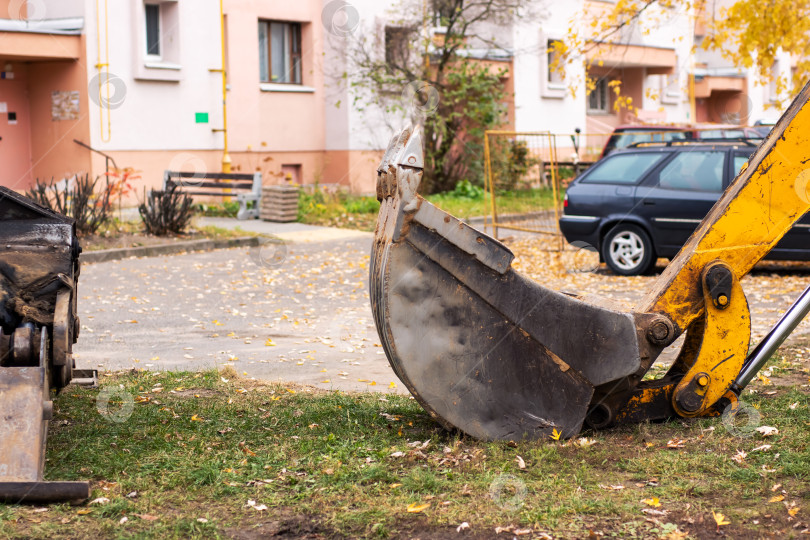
column 554, row 75
column 280, row 52
column 444, row 11
column 773, row 84
column 152, row 29
column 599, row 97
column 397, row 45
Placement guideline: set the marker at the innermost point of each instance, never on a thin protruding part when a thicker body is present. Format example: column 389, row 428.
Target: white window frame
column 167, row 65
column 268, row 23
column 548, row 88
column 598, row 110
column 671, row 87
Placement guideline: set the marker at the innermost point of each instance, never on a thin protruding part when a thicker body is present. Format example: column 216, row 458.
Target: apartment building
column 85, row 84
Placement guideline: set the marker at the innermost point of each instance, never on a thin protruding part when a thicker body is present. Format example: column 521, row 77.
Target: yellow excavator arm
column 498, row 356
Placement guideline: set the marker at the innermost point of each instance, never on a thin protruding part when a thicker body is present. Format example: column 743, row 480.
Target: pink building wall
column 272, row 129
column 15, row 136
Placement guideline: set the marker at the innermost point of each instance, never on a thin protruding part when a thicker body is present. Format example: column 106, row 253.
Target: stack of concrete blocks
column 279, row 203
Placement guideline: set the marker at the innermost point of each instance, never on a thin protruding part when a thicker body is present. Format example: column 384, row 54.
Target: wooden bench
column 245, row 187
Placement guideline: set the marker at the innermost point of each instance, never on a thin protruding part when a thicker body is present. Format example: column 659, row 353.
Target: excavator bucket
column 494, row 354
column 481, row 347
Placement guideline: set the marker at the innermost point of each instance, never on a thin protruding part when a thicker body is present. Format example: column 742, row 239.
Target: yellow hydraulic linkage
column 498, row 356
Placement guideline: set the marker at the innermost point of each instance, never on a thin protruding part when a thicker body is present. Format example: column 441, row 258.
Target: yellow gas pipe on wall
column 103, row 67
column 226, row 159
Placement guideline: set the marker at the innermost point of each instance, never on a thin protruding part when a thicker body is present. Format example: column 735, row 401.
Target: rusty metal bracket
column 723, row 347
column 26, row 407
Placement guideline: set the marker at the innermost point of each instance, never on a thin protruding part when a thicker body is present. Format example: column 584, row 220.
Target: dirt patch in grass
column 195, row 393
column 284, row 523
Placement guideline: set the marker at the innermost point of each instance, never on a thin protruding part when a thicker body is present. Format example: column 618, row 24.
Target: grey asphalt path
column 296, row 311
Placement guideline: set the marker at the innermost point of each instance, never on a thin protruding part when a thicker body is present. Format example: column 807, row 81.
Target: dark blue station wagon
column 641, row 203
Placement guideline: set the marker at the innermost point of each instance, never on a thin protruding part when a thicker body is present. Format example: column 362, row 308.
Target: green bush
column 362, row 205
column 511, row 163
column 466, row 190
column 223, row 209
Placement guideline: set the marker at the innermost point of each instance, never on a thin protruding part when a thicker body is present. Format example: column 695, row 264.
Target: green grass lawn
column 212, row 455
column 508, row 202
column 356, row 212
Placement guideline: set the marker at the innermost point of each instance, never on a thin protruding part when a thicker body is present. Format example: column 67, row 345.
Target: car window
column 674, row 136
column 694, row 171
column 622, row 169
column 739, row 161
column 632, row 137
column 624, row 138
column 710, row 134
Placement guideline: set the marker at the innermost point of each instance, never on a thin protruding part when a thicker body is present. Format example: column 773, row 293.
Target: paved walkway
column 294, row 311
column 295, row 308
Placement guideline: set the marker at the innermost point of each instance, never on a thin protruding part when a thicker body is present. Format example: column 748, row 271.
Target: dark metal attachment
column 39, row 266
column 718, row 279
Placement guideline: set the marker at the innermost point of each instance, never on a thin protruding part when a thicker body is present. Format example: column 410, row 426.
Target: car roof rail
column 695, row 142
column 750, row 141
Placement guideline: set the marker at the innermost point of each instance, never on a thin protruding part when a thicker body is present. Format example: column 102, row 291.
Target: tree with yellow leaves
column 748, row 33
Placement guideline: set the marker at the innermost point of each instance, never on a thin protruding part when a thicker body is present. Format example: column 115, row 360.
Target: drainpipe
column 692, row 101
column 103, row 68
column 226, row 159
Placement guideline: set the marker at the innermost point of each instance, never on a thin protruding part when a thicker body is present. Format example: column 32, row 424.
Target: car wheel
column 628, row 250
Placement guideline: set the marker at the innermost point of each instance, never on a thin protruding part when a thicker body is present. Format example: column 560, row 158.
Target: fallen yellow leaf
column 793, row 511
column 555, row 434
column 720, row 519
column 776, row 498
column 269, row 343
column 652, row 502
column 196, row 418
column 290, row 390
column 416, row 507
column 392, row 385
